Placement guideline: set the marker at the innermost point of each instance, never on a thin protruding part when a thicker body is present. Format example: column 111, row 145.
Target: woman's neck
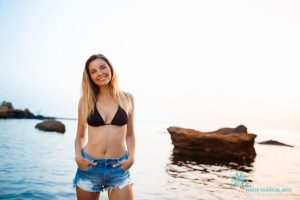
column 104, row 92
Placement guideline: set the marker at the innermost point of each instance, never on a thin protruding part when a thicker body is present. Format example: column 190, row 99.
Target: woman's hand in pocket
column 84, row 163
column 125, row 164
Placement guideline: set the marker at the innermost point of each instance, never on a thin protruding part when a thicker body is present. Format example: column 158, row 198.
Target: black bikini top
column 119, row 119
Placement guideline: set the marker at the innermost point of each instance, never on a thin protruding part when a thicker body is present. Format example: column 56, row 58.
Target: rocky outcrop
column 274, row 142
column 226, row 144
column 7, row 111
column 5, row 106
column 51, row 125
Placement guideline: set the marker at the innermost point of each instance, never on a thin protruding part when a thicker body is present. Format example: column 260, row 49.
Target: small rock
column 51, row 125
column 274, row 142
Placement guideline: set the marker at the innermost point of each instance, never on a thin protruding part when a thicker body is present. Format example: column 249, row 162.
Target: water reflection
column 206, row 170
column 178, row 155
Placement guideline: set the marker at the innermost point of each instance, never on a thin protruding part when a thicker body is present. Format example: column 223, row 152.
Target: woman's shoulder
column 130, row 100
column 128, row 95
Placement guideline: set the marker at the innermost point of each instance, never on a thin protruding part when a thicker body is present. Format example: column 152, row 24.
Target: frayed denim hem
column 120, row 186
column 85, row 188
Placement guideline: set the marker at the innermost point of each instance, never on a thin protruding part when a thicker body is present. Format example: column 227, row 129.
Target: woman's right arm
column 81, row 133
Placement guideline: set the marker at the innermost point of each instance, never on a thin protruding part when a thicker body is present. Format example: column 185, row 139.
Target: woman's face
column 100, row 72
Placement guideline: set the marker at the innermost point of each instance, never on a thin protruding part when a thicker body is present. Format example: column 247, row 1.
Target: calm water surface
column 40, row 165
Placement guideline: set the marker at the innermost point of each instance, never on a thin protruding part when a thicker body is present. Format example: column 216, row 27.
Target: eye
column 103, row 67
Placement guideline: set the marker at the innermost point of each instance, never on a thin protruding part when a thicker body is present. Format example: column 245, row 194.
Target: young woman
column 107, row 113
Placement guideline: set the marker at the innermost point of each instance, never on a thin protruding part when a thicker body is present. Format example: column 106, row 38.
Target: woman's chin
column 102, row 83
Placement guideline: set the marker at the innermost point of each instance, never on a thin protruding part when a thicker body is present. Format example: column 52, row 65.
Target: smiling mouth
column 102, row 78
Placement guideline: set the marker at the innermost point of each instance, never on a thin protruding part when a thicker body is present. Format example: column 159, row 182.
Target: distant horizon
column 186, row 62
column 197, row 126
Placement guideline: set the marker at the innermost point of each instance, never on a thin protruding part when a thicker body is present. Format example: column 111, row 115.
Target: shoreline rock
column 224, row 144
column 7, row 111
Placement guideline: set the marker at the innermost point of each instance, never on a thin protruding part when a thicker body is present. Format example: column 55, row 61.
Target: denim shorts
column 102, row 176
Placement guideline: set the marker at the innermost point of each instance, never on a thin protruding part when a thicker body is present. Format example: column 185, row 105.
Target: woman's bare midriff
column 106, row 141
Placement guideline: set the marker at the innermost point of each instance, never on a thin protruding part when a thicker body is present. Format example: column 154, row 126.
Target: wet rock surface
column 223, row 145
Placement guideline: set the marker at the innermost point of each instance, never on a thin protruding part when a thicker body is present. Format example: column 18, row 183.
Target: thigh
column 84, row 195
column 121, row 194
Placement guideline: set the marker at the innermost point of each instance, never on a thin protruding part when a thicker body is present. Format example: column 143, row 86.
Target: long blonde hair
column 89, row 90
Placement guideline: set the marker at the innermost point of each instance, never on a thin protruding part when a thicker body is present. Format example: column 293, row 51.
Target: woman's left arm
column 130, row 138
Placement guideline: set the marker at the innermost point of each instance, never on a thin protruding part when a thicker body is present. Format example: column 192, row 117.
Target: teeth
column 102, row 78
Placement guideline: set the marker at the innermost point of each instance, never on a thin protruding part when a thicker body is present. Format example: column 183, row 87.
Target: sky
column 189, row 63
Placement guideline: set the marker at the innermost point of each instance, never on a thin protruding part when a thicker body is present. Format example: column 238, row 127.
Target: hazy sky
column 202, row 63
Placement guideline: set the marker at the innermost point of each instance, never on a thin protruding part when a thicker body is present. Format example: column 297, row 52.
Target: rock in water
column 7, row 111
column 274, row 142
column 225, row 144
column 5, row 105
column 51, row 125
